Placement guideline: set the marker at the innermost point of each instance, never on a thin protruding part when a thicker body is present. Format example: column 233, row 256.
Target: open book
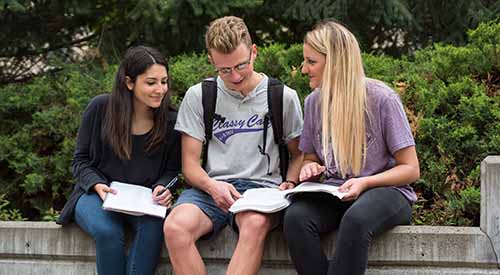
column 133, row 200
column 270, row 200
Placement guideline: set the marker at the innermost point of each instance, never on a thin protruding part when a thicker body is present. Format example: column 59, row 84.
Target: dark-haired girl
column 126, row 136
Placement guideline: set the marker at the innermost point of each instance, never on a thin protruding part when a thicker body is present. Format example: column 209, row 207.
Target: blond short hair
column 226, row 34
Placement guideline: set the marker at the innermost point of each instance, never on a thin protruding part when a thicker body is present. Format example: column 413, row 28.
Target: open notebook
column 133, row 200
column 270, row 200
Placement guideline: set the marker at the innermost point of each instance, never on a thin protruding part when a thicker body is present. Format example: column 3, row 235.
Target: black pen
column 169, row 184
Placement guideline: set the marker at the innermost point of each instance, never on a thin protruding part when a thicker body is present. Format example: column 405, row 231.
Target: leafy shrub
column 186, row 70
column 9, row 214
column 41, row 119
column 455, row 89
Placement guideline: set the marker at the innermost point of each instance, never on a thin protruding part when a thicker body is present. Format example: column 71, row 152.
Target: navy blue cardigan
column 95, row 162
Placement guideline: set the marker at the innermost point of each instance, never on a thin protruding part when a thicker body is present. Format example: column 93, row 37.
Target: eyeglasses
column 239, row 68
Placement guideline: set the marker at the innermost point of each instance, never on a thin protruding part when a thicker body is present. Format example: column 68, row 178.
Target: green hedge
column 451, row 95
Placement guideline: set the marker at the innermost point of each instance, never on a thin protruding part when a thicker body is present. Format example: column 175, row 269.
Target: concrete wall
column 47, row 248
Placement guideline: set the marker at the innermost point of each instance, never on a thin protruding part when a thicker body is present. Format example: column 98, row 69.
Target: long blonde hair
column 342, row 96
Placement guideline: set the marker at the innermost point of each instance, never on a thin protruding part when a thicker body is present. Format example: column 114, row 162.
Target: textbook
column 132, row 199
column 270, row 200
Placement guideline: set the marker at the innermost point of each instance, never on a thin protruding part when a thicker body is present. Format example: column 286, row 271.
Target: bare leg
column 247, row 257
column 183, row 227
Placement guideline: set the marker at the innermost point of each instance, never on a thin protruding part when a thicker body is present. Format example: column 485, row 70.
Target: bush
column 450, row 95
column 40, row 122
column 9, row 214
column 455, row 92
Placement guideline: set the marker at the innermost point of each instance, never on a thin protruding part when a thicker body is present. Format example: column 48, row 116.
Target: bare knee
column 175, row 233
column 184, row 226
column 253, row 225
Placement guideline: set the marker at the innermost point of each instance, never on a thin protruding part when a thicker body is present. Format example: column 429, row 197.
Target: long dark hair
column 117, row 129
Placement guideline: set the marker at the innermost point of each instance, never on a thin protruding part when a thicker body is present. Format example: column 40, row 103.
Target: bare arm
column 295, row 164
column 406, row 171
column 223, row 193
column 191, row 167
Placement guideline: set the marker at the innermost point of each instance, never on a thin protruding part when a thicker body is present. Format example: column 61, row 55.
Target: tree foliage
column 32, row 31
column 392, row 26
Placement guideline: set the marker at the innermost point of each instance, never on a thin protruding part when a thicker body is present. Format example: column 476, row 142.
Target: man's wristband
column 292, row 182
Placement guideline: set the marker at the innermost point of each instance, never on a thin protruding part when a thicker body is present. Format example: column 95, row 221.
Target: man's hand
column 101, row 189
column 286, row 185
column 223, row 193
column 309, row 170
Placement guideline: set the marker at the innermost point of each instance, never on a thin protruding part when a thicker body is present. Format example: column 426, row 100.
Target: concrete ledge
column 490, row 200
column 51, row 249
column 47, row 248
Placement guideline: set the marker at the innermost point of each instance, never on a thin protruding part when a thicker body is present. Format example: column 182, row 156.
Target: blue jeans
column 108, row 230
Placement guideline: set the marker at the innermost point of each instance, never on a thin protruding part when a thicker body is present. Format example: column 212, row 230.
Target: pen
column 169, row 184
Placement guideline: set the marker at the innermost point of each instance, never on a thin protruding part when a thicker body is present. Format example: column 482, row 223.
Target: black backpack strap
column 208, row 100
column 275, row 106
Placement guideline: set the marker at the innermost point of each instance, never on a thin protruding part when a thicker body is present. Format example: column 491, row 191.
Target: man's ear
column 129, row 83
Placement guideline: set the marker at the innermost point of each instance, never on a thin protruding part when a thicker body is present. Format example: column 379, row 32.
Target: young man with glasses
column 234, row 162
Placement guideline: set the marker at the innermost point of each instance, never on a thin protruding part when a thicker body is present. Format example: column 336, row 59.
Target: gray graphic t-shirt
column 388, row 132
column 233, row 151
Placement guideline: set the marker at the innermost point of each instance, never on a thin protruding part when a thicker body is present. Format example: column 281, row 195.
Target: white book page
column 132, row 199
column 270, row 200
column 266, row 200
column 315, row 187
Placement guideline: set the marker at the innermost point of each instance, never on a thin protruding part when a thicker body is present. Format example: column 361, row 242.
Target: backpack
column 274, row 115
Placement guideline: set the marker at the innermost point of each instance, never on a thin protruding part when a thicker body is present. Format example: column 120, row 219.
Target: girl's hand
column 162, row 196
column 310, row 170
column 101, row 189
column 353, row 188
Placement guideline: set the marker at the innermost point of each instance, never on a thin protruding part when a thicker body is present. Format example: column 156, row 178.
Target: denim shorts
column 206, row 204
